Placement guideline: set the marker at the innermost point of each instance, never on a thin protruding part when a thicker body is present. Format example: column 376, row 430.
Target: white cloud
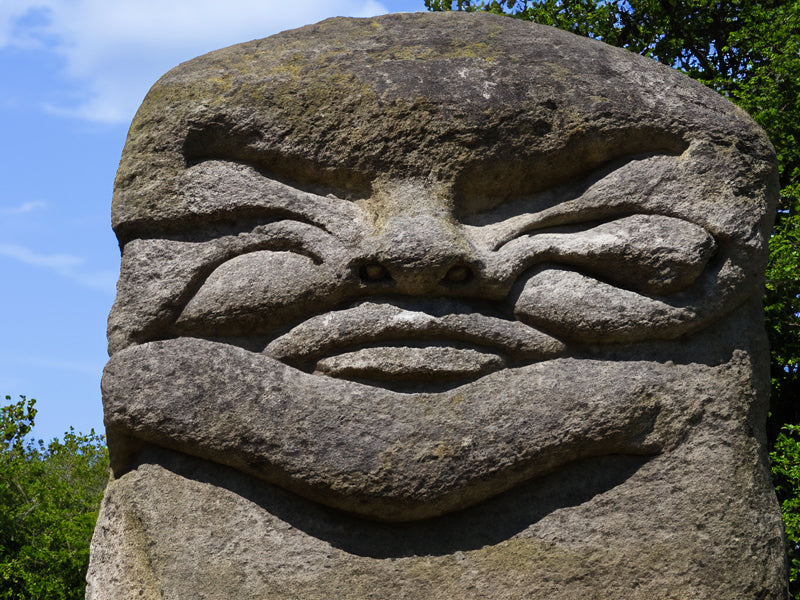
column 23, row 208
column 66, row 265
column 114, row 51
column 58, row 262
column 12, row 15
column 101, row 281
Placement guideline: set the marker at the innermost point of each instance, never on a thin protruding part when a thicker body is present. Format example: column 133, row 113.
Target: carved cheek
column 256, row 292
column 583, row 309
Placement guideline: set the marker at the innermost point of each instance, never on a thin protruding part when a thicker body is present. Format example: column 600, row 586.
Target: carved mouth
column 439, row 340
column 375, row 452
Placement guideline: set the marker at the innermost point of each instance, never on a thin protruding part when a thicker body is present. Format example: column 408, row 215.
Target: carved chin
column 376, row 452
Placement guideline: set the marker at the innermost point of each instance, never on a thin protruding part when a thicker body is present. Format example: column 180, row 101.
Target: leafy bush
column 49, row 500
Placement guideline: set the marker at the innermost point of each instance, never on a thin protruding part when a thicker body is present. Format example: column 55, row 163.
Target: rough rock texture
column 438, row 306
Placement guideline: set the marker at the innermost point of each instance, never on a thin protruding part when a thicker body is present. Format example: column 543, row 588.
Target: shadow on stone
column 486, row 524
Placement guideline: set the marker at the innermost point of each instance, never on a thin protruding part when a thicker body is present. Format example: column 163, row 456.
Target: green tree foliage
column 49, row 500
column 749, row 51
column 785, row 459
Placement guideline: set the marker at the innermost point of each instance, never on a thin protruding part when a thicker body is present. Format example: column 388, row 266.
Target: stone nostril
column 458, row 274
column 374, row 272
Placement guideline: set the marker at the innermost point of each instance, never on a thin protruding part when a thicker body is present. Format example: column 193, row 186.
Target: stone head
column 398, row 269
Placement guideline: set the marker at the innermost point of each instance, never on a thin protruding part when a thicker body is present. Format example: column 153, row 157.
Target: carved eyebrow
column 597, row 196
column 495, row 179
column 310, row 180
column 561, row 217
column 224, row 224
column 227, row 140
column 227, row 198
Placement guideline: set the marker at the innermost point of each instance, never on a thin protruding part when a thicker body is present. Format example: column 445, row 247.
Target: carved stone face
column 399, row 279
column 405, row 289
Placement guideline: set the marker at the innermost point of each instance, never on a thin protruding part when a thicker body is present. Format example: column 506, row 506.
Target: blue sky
column 75, row 72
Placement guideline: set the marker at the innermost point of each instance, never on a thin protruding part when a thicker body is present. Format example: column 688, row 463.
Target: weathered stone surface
column 438, row 306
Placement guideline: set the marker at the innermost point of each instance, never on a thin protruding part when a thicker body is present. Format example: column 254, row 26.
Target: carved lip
column 435, row 339
column 430, row 361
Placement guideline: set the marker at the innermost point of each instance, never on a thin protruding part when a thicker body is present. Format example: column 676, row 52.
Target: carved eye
column 651, row 254
column 458, row 274
column 374, row 272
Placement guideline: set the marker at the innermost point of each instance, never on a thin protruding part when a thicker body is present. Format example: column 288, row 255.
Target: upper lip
column 372, row 322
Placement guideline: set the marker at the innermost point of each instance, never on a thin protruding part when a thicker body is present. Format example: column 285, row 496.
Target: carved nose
column 375, row 272
column 420, row 255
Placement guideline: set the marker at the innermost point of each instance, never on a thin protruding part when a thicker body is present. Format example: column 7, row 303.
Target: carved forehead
column 471, row 99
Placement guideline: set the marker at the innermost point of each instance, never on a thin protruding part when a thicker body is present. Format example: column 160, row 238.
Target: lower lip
column 405, row 363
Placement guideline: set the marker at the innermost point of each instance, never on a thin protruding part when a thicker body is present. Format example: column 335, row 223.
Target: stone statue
column 438, row 306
